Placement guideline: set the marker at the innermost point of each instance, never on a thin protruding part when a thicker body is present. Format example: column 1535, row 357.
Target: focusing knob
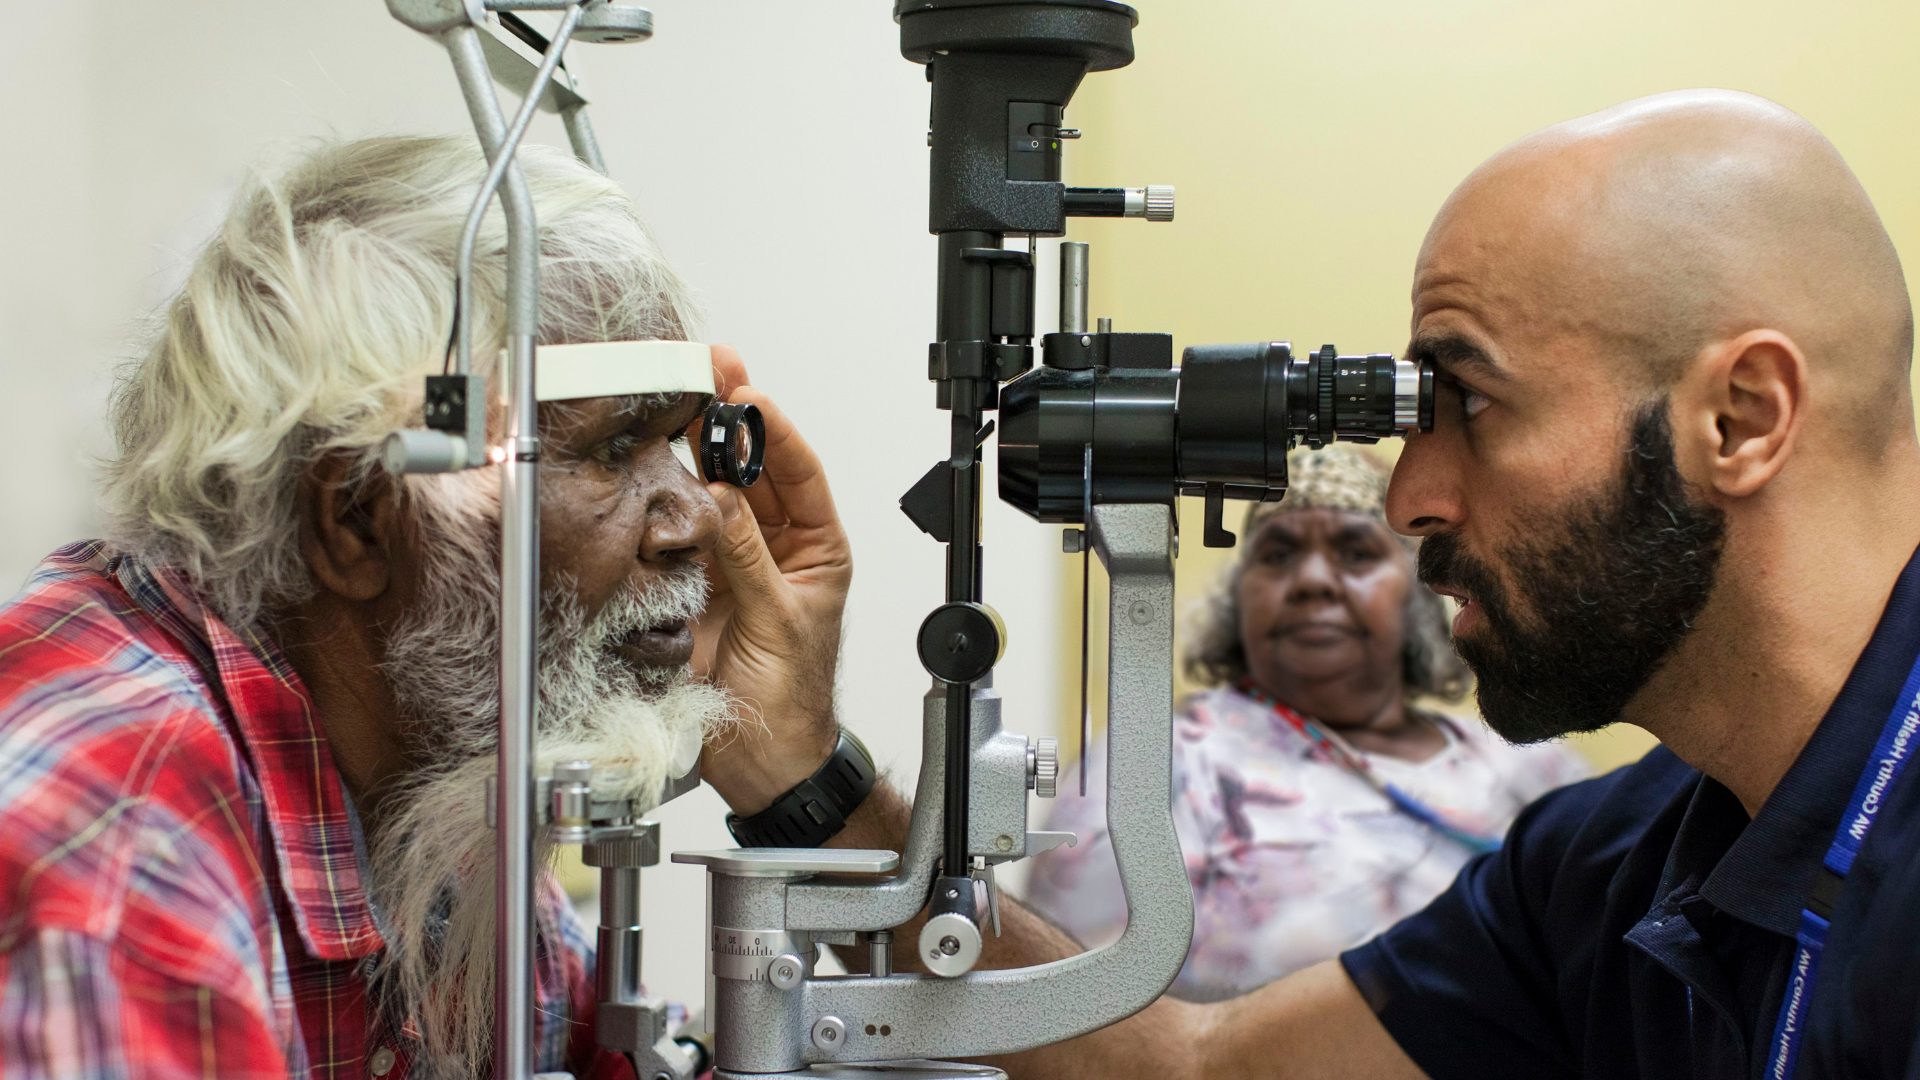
column 949, row 944
column 1046, row 766
column 960, row 642
column 1159, row 202
column 1326, row 363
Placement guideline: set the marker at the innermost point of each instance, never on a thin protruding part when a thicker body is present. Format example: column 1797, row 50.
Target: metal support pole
column 620, row 935
column 519, row 584
column 1073, row 287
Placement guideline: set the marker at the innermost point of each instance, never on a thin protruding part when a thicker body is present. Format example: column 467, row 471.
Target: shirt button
column 382, row 1061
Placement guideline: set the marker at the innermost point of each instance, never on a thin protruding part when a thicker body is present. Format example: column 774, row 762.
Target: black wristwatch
column 816, row 808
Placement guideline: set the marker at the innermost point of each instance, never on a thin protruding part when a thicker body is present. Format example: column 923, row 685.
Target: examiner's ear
column 1748, row 402
column 347, row 533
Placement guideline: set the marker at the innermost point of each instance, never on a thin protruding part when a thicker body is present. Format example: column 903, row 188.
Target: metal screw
column 953, row 894
column 786, row 971
column 949, row 944
column 1003, row 842
column 1086, row 341
column 1140, row 612
column 829, row 1032
column 957, row 643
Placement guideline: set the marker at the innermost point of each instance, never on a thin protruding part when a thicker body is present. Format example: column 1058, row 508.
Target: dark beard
column 1606, row 602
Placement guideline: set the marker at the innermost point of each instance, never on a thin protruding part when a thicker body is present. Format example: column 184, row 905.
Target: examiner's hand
column 771, row 632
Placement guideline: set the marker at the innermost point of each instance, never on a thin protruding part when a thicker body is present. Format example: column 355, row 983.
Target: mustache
column 677, row 596
column 1443, row 562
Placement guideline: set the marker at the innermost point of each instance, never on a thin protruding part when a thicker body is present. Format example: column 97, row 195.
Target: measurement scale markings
column 745, row 954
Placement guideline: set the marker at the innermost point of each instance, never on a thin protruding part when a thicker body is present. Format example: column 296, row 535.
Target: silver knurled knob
column 1046, row 766
column 635, row 846
column 1159, row 202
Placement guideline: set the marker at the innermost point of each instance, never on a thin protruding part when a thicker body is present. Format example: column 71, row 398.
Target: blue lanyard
column 1898, row 740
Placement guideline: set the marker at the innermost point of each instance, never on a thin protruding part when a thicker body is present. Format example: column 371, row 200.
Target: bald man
column 1673, row 480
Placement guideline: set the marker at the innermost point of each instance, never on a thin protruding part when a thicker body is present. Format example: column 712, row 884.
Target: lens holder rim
column 719, row 460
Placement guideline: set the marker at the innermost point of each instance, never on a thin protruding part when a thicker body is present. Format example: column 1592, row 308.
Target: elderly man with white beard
column 243, row 739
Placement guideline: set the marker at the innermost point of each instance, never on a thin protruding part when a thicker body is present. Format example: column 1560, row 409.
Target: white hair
column 432, row 871
column 306, row 324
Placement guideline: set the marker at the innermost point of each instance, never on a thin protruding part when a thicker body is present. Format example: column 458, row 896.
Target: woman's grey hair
column 1429, row 666
column 304, row 329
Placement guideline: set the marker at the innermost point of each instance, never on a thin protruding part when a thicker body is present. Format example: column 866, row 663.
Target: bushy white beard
column 432, row 852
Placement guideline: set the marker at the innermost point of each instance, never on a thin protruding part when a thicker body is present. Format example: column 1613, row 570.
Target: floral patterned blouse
column 1293, row 859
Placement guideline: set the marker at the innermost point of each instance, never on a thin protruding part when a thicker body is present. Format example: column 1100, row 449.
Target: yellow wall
column 1311, row 142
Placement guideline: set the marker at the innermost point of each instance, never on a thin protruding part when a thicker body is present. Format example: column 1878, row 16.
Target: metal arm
column 481, row 99
column 763, row 1027
column 996, row 1012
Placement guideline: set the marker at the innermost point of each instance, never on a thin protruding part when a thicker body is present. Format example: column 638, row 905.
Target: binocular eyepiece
column 1109, row 419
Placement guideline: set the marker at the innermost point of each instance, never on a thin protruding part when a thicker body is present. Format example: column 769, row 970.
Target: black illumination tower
column 1002, row 74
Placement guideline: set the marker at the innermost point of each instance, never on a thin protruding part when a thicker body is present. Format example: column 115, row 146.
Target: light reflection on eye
column 1472, row 404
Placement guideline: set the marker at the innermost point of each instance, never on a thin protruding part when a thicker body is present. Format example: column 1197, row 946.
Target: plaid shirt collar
column 306, row 808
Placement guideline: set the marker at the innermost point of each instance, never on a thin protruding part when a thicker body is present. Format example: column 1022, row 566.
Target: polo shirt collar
column 1768, row 870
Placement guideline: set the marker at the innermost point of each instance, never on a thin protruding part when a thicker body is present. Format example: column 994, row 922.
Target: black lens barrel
column 1234, row 424
column 1223, row 421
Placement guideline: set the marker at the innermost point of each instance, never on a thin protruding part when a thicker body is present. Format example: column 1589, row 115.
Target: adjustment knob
column 1153, row 202
column 786, row 971
column 571, row 792
column 960, row 642
column 1044, row 772
column 949, row 944
column 1159, row 202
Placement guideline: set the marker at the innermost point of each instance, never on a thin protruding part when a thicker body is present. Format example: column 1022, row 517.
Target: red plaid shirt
column 180, row 889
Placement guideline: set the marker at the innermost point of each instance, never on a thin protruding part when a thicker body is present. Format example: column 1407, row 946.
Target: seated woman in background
column 1316, row 805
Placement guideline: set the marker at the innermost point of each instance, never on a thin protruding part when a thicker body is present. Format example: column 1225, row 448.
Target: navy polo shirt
column 1640, row 925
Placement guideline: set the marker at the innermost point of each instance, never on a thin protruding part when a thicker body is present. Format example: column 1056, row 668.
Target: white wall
column 777, row 149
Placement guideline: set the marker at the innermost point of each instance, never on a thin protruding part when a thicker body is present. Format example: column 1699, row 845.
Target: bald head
column 1664, row 224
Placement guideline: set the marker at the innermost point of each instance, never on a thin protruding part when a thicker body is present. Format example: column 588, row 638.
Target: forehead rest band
column 620, row 368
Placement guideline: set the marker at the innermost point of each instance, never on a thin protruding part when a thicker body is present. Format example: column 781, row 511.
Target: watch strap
column 815, row 809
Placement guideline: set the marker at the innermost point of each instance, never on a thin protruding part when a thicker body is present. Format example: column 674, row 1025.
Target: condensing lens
column 732, row 443
column 743, row 444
